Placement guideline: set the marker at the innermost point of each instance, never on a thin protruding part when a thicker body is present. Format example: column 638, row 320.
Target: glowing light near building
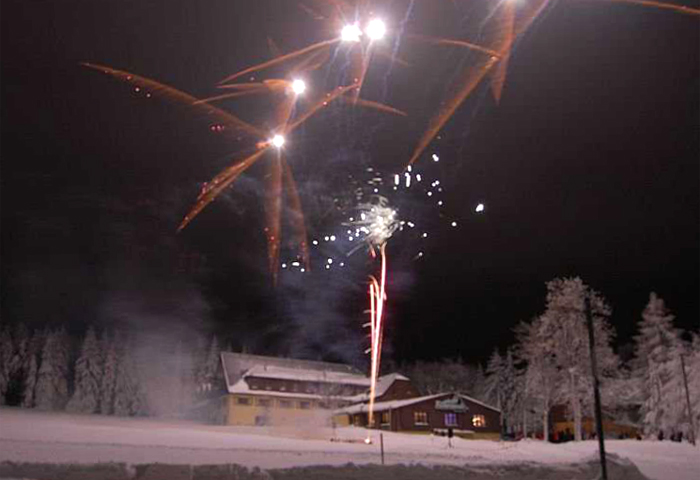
column 479, row 208
column 350, row 33
column 376, row 29
column 435, row 157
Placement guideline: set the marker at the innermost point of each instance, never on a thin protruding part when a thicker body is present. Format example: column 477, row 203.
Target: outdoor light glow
column 277, row 141
column 350, row 33
column 479, row 208
column 375, row 29
column 435, row 157
column 298, row 86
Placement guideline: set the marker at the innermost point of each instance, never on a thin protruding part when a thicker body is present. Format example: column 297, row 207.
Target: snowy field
column 28, row 436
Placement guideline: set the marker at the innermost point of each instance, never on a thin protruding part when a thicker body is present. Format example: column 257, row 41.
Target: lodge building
column 280, row 391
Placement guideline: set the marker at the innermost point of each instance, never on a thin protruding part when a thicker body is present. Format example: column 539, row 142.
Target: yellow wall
column 274, row 414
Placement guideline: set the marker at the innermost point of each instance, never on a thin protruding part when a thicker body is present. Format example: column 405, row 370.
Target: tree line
column 550, row 366
column 47, row 370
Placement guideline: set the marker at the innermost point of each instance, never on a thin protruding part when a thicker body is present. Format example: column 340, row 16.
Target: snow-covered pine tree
column 52, row 384
column 31, row 369
column 89, row 369
column 6, row 353
column 207, row 367
column 692, row 370
column 129, row 399
column 500, row 386
column 212, row 367
column 564, row 324
column 542, row 379
column 657, row 345
column 109, row 377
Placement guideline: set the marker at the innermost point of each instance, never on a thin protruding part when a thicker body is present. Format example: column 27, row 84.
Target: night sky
column 588, row 167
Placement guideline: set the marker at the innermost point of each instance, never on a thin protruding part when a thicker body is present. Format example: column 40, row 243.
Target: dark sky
column 588, row 167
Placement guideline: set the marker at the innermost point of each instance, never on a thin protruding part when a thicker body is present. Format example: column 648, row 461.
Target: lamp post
column 596, row 391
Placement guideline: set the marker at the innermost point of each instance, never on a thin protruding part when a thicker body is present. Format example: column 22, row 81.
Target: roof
column 237, row 364
column 394, row 404
column 241, row 387
column 307, row 375
column 383, row 384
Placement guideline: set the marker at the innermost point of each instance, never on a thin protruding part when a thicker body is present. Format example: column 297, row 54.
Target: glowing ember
column 298, row 86
column 350, row 33
column 277, row 141
column 376, row 29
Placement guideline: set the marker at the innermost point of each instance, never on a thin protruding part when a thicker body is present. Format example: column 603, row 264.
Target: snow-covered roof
column 241, row 387
column 307, row 375
column 383, row 384
column 237, row 364
column 394, row 404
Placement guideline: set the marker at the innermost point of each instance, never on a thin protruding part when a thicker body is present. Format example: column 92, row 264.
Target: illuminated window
column 285, row 403
column 451, row 419
column 479, row 421
column 264, row 402
column 420, row 418
column 243, row 401
column 305, row 405
column 386, row 418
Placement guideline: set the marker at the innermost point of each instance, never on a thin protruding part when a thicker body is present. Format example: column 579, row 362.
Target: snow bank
column 28, row 436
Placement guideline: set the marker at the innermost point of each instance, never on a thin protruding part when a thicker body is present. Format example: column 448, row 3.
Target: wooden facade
column 431, row 414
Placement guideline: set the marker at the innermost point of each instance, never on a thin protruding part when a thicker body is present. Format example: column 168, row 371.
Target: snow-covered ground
column 30, row 436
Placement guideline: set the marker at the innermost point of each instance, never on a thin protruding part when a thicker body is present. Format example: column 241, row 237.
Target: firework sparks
column 377, row 299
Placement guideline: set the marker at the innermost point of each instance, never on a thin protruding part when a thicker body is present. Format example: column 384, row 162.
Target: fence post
column 381, row 445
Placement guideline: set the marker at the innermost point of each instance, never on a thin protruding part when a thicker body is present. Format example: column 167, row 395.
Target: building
column 466, row 416
column 624, row 425
column 282, row 391
column 275, row 391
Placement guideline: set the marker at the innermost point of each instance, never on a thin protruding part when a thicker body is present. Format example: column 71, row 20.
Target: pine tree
column 52, row 384
column 6, row 354
column 542, row 379
column 31, row 370
column 89, row 369
column 109, row 378
column 657, row 348
column 501, row 387
column 564, row 325
column 129, row 398
column 693, row 373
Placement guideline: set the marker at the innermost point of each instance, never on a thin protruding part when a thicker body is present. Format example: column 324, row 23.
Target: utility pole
column 596, row 391
column 687, row 399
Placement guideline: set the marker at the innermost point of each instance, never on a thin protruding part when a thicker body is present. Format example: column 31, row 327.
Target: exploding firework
column 379, row 211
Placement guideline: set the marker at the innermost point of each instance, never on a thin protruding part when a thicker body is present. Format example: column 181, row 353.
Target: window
column 305, row 405
column 420, row 418
column 285, row 404
column 243, row 401
column 264, row 402
column 450, row 419
column 479, row 421
column 386, row 418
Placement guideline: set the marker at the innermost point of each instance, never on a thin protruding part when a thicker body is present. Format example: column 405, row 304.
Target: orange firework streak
column 281, row 59
column 156, row 88
column 666, row 6
column 377, row 300
column 279, row 171
column 508, row 28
